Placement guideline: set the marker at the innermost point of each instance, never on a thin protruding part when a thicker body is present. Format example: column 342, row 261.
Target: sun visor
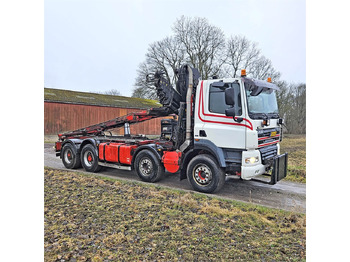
column 251, row 84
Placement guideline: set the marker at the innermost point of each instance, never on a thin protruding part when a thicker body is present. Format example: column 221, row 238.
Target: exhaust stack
column 188, row 110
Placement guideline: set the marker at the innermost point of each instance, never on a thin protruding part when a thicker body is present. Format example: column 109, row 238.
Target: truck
column 217, row 128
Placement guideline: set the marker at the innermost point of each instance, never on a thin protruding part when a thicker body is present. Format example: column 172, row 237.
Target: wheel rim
column 202, row 175
column 88, row 158
column 68, row 156
column 146, row 166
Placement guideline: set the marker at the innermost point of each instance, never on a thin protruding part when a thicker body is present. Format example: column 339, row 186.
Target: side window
column 217, row 100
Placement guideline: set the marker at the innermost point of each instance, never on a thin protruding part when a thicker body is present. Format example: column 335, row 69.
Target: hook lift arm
column 168, row 97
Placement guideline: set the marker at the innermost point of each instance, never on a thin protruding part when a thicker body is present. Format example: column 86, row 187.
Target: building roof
column 85, row 98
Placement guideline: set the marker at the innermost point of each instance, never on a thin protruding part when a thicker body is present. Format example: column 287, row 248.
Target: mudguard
column 76, row 143
column 151, row 147
column 206, row 145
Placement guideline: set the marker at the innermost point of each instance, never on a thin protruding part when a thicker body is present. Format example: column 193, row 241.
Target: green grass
column 90, row 218
column 295, row 145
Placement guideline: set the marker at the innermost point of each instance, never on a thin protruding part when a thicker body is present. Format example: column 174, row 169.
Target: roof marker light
column 243, row 72
column 269, row 80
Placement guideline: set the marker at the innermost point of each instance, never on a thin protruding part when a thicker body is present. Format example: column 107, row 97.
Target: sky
column 97, row 45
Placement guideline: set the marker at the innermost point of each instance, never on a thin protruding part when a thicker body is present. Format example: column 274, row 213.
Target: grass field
column 295, row 145
column 89, row 218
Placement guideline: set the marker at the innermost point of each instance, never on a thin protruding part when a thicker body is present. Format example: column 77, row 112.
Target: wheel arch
column 88, row 141
column 76, row 145
column 205, row 147
column 150, row 147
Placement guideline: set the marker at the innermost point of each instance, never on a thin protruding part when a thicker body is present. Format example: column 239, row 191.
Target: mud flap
column 279, row 168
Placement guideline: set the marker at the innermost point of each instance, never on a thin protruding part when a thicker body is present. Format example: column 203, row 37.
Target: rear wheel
column 148, row 166
column 205, row 175
column 89, row 158
column 70, row 158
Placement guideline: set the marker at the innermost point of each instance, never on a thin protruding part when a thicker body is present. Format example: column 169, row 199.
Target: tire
column 205, row 175
column 148, row 167
column 89, row 158
column 70, row 158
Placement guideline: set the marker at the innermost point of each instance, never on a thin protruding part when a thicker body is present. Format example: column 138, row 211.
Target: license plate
column 273, row 133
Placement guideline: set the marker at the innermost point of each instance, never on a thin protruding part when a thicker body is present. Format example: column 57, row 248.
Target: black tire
column 148, row 166
column 205, row 175
column 70, row 158
column 89, row 158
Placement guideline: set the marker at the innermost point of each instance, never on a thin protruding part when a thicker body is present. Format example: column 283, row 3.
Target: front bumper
column 279, row 169
column 248, row 172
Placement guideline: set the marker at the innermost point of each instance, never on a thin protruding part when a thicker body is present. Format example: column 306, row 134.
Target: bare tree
column 113, row 92
column 245, row 54
column 284, row 101
column 292, row 106
column 195, row 41
column 142, row 88
column 241, row 54
column 166, row 56
column 204, row 44
column 262, row 68
column 299, row 108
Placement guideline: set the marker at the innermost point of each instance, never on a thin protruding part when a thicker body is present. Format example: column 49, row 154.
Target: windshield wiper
column 276, row 115
column 273, row 115
column 263, row 115
column 258, row 115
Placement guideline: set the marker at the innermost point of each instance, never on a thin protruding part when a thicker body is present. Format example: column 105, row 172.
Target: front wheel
column 205, row 175
column 148, row 166
column 89, row 158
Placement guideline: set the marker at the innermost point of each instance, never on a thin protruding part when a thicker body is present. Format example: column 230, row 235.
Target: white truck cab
column 247, row 128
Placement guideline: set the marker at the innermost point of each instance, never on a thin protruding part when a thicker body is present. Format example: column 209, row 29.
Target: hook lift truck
column 221, row 127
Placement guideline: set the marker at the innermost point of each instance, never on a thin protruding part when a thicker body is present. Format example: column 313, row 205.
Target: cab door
column 212, row 124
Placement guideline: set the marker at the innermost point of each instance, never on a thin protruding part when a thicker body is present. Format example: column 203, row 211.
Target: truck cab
column 238, row 118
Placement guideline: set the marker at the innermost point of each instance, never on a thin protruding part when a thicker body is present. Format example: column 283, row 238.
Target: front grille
column 267, row 137
column 268, row 153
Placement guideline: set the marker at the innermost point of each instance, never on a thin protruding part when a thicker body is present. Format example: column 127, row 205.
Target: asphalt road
column 283, row 195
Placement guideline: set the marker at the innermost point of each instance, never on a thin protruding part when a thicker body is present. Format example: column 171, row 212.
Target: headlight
column 251, row 160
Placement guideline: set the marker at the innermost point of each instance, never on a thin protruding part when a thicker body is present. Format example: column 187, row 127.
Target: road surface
column 283, row 195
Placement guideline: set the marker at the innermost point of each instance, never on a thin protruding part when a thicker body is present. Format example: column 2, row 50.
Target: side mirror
column 229, row 96
column 230, row 112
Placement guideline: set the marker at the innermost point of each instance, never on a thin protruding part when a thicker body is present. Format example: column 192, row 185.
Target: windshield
column 262, row 105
